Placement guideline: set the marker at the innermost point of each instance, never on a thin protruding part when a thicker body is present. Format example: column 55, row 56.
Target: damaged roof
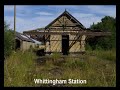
column 23, row 37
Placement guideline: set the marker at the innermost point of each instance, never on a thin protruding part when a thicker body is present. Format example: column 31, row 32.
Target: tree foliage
column 108, row 42
column 8, row 40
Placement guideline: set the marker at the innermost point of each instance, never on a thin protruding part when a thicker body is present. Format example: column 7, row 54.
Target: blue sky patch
column 30, row 17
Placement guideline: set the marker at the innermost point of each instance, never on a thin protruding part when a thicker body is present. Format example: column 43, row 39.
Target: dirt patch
column 41, row 60
column 59, row 62
column 56, row 71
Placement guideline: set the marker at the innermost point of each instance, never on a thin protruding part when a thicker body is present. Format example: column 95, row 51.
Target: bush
column 106, row 43
column 8, row 40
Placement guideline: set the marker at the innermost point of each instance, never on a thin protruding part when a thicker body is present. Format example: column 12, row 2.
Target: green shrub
column 8, row 40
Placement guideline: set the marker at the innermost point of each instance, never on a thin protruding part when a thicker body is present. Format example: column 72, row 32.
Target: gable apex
column 66, row 13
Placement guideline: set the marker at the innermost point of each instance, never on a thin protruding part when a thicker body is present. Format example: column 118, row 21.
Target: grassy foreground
column 97, row 67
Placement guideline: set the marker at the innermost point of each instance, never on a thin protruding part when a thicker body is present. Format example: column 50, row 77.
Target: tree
column 107, row 24
column 8, row 40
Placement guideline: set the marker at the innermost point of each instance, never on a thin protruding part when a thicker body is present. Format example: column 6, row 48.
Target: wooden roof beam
column 72, row 33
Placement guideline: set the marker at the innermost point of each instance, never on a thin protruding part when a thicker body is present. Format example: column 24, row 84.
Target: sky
column 29, row 17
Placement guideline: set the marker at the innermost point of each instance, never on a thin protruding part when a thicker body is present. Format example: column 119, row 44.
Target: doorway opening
column 17, row 46
column 65, row 44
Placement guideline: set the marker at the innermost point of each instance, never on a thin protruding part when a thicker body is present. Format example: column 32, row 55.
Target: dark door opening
column 65, row 44
column 17, row 46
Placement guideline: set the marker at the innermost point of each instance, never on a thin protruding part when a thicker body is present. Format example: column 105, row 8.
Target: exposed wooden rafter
column 67, row 33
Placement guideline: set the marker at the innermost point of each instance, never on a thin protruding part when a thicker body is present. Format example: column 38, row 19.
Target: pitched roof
column 23, row 37
column 68, row 14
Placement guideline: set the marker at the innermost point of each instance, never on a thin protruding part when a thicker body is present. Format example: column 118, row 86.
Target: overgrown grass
column 107, row 55
column 97, row 67
column 18, row 68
